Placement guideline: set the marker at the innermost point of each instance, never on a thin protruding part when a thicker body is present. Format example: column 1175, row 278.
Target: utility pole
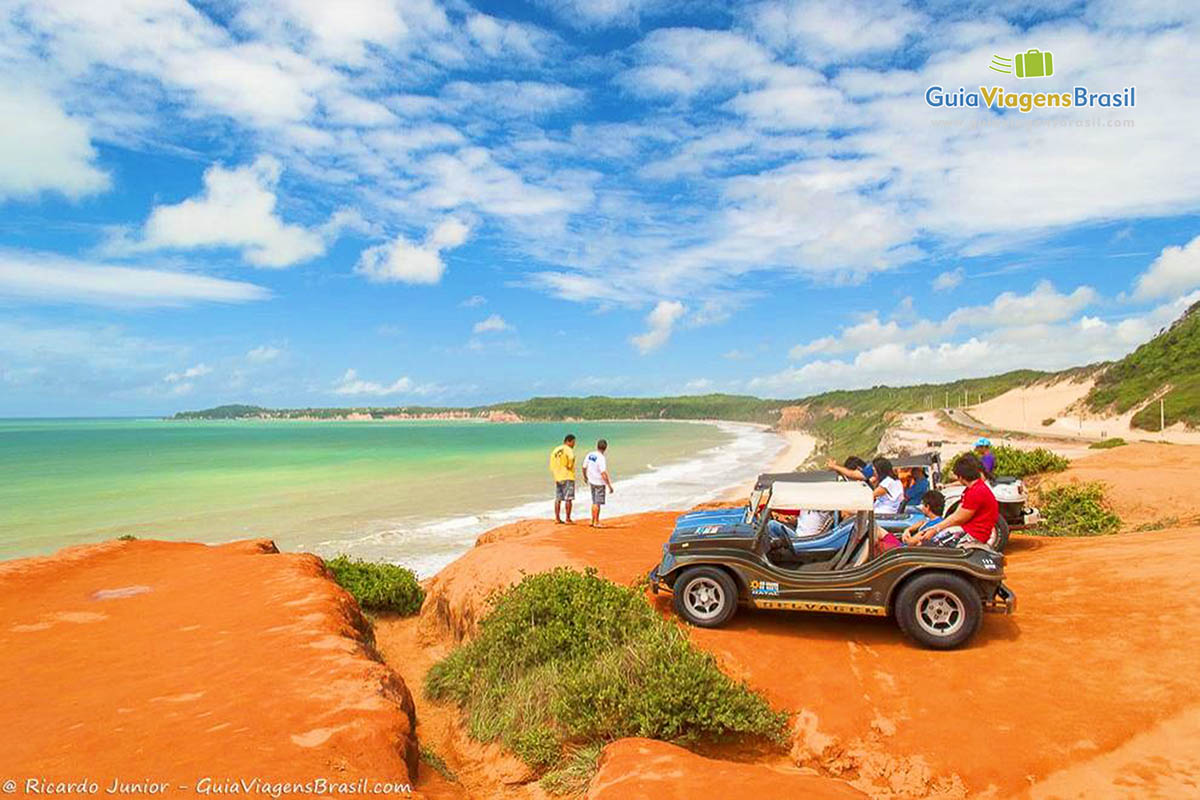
column 1162, row 415
column 947, row 398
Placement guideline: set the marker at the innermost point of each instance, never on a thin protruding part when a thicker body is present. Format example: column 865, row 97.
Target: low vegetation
column 1168, row 364
column 1108, row 444
column 438, row 764
column 567, row 661
column 378, row 587
column 1048, row 421
column 1022, row 463
column 1077, row 509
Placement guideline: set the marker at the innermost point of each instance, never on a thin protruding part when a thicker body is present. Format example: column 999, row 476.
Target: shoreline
column 798, row 447
column 708, row 475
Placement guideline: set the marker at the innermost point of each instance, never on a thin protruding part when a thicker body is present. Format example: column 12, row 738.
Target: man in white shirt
column 595, row 471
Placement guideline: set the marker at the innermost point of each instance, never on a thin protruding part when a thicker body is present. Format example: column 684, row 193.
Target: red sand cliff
column 176, row 662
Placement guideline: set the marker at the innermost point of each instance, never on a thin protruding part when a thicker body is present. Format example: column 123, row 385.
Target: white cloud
column 236, row 209
column 660, row 322
column 51, row 279
column 1176, row 270
column 198, row 371
column 831, row 30
column 1037, row 344
column 951, row 279
column 351, row 385
column 403, row 261
column 474, row 301
column 1043, row 305
column 493, row 324
column 43, row 149
column 596, row 13
column 263, row 353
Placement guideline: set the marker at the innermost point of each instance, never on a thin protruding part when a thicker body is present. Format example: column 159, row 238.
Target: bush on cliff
column 1077, row 509
column 378, row 587
column 1022, row 463
column 568, row 660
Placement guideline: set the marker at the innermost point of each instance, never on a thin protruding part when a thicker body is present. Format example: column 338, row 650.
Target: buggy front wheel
column 706, row 597
column 939, row 610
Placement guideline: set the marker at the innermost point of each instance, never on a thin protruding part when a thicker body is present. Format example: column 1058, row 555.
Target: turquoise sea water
column 409, row 492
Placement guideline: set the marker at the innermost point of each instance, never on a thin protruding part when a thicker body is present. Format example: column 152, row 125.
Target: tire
column 939, row 610
column 999, row 539
column 706, row 597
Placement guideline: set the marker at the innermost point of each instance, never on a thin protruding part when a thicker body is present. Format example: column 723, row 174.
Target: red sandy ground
column 172, row 661
column 1090, row 690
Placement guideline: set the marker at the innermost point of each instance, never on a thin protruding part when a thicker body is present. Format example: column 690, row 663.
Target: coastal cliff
column 178, row 664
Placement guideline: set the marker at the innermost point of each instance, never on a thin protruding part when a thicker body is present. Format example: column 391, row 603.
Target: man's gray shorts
column 564, row 490
column 598, row 492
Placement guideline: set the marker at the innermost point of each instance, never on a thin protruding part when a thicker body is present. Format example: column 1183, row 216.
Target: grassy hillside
column 853, row 422
column 1171, row 359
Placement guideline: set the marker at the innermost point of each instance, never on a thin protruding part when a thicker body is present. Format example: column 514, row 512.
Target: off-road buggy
column 935, row 594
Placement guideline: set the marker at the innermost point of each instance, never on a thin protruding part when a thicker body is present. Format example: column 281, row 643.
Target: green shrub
column 126, row 537
column 1077, row 509
column 575, row 772
column 567, row 661
column 378, row 587
column 1108, row 444
column 1048, row 421
column 1022, row 463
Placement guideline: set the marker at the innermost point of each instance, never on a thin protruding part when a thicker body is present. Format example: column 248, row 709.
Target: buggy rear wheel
column 999, row 538
column 939, row 610
column 706, row 596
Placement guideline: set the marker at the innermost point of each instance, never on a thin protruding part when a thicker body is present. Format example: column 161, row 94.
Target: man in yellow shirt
column 562, row 467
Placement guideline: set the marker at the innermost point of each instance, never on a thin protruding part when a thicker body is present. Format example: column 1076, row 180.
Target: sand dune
column 1024, row 409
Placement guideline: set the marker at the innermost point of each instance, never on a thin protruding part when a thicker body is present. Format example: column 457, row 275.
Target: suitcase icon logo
column 1033, row 63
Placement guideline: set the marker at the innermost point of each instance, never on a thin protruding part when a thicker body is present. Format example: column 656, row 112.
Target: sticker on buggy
column 770, row 588
column 707, row 529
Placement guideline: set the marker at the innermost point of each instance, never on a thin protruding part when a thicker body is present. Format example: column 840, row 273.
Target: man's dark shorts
column 598, row 492
column 564, row 490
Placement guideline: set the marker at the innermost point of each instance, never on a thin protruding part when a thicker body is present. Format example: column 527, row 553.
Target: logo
column 770, row 588
column 708, row 529
column 1033, row 63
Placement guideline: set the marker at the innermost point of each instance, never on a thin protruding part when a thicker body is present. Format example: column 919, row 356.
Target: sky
column 439, row 202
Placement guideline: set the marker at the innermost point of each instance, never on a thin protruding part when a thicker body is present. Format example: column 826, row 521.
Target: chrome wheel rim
column 940, row 612
column 704, row 598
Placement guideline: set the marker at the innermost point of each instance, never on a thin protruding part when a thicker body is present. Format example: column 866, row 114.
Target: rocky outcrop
column 177, row 662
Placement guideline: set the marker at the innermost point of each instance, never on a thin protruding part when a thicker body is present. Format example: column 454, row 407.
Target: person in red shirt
column 978, row 512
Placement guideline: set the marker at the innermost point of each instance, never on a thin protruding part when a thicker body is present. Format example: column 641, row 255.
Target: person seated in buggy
column 933, row 505
column 808, row 524
column 977, row 513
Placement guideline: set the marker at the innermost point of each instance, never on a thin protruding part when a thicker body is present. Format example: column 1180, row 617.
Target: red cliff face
column 174, row 662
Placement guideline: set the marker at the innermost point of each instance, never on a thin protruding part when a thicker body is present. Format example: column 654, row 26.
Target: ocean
column 413, row 493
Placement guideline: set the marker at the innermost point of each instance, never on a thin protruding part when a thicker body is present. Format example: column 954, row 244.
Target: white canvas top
column 829, row 496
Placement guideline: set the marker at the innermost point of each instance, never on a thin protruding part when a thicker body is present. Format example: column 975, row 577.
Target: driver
column 809, row 523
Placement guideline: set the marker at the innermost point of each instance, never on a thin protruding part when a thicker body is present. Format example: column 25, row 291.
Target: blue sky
column 295, row 202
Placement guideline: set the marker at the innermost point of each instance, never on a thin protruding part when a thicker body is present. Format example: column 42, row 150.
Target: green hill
column 1169, row 361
